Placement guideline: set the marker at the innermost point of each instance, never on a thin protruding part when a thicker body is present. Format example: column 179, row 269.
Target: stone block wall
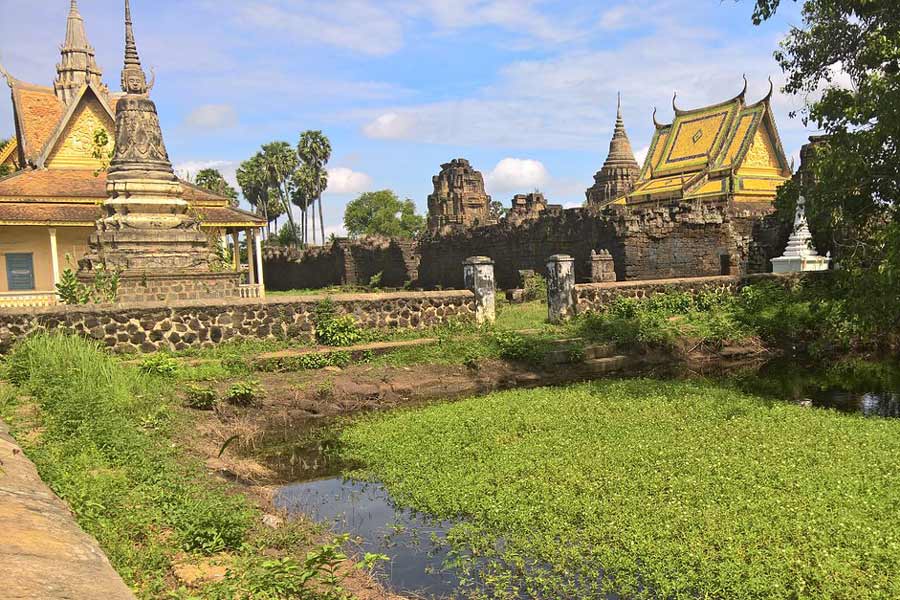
column 344, row 262
column 183, row 325
column 695, row 239
column 595, row 297
column 179, row 287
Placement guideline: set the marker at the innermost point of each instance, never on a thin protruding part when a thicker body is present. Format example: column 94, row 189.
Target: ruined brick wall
column 695, row 239
column 344, row 262
column 519, row 246
column 183, row 325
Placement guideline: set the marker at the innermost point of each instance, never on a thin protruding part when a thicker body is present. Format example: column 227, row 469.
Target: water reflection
column 870, row 404
column 365, row 510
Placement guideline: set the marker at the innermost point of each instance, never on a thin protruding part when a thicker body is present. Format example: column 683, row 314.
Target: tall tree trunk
column 321, row 220
column 313, row 222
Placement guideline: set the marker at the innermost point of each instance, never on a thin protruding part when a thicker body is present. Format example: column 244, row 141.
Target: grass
column 103, row 436
column 677, row 490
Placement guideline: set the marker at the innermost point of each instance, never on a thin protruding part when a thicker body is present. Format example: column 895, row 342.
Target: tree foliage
column 382, row 213
column 252, row 176
column 845, row 58
column 314, row 150
column 212, row 180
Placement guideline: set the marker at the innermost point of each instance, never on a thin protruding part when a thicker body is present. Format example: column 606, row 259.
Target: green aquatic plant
column 648, row 489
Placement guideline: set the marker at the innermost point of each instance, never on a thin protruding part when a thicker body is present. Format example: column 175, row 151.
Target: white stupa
column 800, row 255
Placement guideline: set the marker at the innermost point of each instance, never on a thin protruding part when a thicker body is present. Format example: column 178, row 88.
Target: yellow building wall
column 36, row 240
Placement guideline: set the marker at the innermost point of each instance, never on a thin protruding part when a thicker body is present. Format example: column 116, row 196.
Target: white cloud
column 519, row 175
column 212, row 116
column 358, row 25
column 188, row 169
column 641, row 155
column 390, row 126
column 342, row 180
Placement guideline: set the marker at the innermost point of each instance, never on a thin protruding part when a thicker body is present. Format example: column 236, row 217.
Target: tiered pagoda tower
column 618, row 174
column 147, row 234
column 77, row 66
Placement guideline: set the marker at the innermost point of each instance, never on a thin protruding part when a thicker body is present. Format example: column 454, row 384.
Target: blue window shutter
column 20, row 272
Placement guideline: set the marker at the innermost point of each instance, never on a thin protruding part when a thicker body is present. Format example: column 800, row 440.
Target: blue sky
column 525, row 89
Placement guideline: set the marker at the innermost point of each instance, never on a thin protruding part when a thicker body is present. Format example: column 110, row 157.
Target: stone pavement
column 44, row 554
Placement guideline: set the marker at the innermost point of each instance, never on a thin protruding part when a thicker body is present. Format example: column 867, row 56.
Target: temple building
column 620, row 171
column 729, row 152
column 459, row 199
column 52, row 202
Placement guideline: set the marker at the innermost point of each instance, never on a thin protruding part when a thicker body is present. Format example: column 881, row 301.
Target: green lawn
column 689, row 490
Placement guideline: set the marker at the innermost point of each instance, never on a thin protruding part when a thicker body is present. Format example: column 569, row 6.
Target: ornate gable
column 72, row 147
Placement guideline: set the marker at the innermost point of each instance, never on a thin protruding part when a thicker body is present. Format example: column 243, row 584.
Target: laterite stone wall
column 183, row 325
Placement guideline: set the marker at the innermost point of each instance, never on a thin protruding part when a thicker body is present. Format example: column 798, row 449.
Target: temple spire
column 77, row 66
column 619, row 171
column 134, row 81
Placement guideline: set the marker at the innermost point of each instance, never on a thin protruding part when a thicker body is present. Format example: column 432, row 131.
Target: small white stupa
column 800, row 255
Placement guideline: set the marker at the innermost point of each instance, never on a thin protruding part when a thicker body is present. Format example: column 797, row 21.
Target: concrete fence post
column 560, row 288
column 478, row 274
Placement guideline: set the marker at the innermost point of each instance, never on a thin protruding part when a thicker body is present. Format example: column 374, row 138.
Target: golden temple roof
column 714, row 151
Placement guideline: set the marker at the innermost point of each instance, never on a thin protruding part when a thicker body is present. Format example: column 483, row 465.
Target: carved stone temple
column 620, row 171
column 459, row 199
column 147, row 234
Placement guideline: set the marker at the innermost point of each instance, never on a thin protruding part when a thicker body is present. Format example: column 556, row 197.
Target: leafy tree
column 212, row 180
column 846, row 57
column 498, row 211
column 314, row 151
column 382, row 213
column 5, row 169
column 281, row 162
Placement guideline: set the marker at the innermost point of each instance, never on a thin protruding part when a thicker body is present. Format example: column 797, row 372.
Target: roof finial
column 746, row 83
column 771, row 90
column 675, row 97
column 655, row 122
column 134, row 81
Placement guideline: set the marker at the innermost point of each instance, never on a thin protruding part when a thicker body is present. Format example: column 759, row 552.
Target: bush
column 244, row 394
column 102, row 450
column 200, row 398
column 535, row 287
column 334, row 330
column 160, row 365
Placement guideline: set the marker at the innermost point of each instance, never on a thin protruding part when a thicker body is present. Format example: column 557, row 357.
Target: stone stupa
column 147, row 235
column 800, row 255
column 620, row 170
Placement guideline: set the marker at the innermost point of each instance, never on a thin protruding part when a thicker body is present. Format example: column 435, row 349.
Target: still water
column 365, row 510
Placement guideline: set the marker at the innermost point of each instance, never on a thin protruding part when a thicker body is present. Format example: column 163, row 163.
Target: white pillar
column 478, row 274
column 54, row 256
column 259, row 264
column 251, row 246
column 560, row 288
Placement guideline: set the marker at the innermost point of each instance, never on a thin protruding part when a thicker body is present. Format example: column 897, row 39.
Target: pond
column 416, row 544
column 365, row 510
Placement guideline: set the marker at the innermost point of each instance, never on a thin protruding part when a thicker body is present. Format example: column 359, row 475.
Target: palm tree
column 254, row 182
column 303, row 194
column 281, row 162
column 314, row 150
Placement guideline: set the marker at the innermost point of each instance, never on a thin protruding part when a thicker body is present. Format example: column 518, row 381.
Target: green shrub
column 160, row 364
column 535, row 287
column 200, row 398
column 248, row 393
column 518, row 347
column 339, row 331
column 103, row 449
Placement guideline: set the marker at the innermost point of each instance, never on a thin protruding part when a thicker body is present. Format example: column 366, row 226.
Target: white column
column 54, row 256
column 259, row 264
column 251, row 247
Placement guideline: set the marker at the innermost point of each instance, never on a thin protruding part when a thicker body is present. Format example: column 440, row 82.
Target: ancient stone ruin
column 618, row 174
column 459, row 199
column 527, row 206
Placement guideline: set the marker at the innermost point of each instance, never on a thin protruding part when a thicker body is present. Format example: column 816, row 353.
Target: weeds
column 245, row 394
